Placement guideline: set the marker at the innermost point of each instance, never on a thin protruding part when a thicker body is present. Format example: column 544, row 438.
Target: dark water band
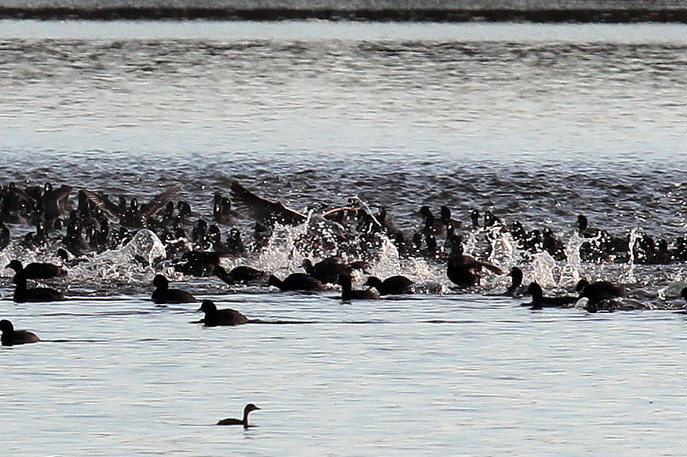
column 559, row 15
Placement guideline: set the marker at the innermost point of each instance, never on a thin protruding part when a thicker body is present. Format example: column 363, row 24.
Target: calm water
column 536, row 122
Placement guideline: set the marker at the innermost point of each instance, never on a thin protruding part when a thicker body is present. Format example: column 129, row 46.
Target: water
column 538, row 123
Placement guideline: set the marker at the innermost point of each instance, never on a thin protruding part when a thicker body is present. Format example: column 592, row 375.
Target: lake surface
column 537, row 123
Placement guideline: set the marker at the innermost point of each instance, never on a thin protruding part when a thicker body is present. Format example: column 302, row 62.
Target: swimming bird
column 683, row 294
column 393, row 285
column 37, row 270
column 600, row 290
column 516, row 281
column 329, row 269
column 464, row 270
column 215, row 317
column 347, row 292
column 39, row 294
column 198, row 263
column 296, row 282
column 10, row 336
column 539, row 301
column 249, row 407
column 163, row 294
column 241, row 274
column 222, row 213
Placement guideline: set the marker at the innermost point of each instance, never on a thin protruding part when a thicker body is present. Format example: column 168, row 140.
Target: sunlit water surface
column 536, row 122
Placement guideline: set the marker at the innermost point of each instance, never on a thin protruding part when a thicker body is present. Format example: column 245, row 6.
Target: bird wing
column 263, row 210
column 160, row 200
column 102, row 202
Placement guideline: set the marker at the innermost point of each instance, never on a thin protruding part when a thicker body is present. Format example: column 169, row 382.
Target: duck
column 163, row 294
column 516, row 281
column 267, row 213
column 393, row 285
column 554, row 246
column 347, row 292
column 539, row 301
column 198, row 263
column 132, row 216
column 215, row 317
column 246, row 411
column 464, row 270
column 38, row 294
column 263, row 210
column 222, row 213
column 241, row 274
column 295, row 282
column 37, row 270
column 329, row 269
column 598, row 291
column 11, row 337
column 53, row 203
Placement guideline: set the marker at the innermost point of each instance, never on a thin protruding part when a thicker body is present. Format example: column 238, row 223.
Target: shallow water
column 536, row 122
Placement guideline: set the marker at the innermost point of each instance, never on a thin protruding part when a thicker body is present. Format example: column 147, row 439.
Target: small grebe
column 249, row 407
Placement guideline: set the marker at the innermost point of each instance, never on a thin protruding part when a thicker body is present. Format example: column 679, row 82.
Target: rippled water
column 538, row 123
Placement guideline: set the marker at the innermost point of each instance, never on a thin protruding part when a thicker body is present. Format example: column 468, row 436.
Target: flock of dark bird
column 76, row 230
column 48, row 220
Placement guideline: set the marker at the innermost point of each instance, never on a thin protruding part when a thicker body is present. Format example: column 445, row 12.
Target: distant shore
column 632, row 14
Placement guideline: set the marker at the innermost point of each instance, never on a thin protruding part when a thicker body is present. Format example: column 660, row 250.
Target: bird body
column 296, row 281
column 215, row 317
column 600, row 290
column 393, row 285
column 347, row 292
column 11, row 337
column 244, row 421
column 39, row 294
column 539, row 301
column 37, row 270
column 163, row 294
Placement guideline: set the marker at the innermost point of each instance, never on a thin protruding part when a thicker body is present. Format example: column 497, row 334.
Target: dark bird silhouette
column 347, row 292
column 198, row 263
column 132, row 216
column 296, row 282
column 37, row 270
column 222, row 213
column 263, row 210
column 52, row 203
column 516, row 281
column 539, row 301
column 393, row 285
column 600, row 294
column 215, row 317
column 163, row 294
column 246, row 411
column 241, row 275
column 39, row 294
column 464, row 270
column 552, row 245
column 600, row 290
column 10, row 336
column 329, row 269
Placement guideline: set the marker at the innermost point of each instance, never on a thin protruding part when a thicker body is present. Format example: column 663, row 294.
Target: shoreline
column 606, row 15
